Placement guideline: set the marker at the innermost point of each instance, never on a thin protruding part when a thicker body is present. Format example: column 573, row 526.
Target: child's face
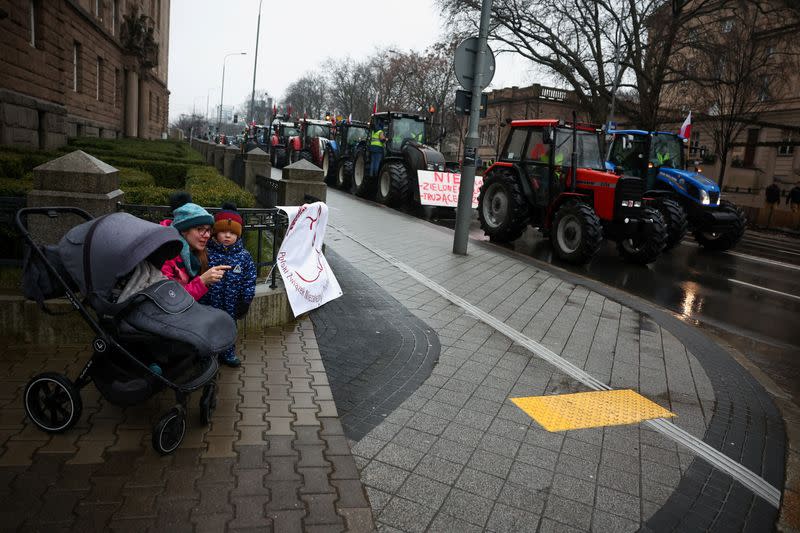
column 226, row 238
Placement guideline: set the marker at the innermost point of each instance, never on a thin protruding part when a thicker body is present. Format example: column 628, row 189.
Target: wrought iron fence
column 268, row 224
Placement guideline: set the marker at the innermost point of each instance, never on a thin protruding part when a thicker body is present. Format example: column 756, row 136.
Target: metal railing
column 266, row 222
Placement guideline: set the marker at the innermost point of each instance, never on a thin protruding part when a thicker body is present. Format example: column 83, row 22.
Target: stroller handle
column 52, row 212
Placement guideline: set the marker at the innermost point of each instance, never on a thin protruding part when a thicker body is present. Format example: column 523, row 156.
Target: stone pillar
column 300, row 179
column 144, row 109
column 210, row 153
column 219, row 156
column 131, row 103
column 229, row 155
column 77, row 180
column 256, row 162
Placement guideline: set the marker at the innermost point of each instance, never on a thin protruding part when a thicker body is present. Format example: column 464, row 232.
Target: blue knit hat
column 190, row 215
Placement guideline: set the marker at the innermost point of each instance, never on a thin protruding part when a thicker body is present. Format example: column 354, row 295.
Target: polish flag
column 375, row 104
column 686, row 127
column 350, row 118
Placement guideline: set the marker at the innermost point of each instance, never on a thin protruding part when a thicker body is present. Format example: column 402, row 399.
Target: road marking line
column 760, row 486
column 751, row 257
column 760, row 288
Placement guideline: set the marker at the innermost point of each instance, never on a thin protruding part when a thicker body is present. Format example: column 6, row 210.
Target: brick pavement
column 274, row 458
column 457, row 455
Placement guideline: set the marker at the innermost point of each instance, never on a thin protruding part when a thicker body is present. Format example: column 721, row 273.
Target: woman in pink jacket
column 190, row 268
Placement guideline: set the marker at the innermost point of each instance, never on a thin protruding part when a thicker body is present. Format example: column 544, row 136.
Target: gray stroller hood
column 97, row 253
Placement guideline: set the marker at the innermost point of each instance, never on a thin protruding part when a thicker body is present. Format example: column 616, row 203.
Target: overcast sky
column 296, row 36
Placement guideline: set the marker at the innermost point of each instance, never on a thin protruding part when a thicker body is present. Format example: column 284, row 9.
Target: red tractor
column 282, row 130
column 310, row 142
column 533, row 183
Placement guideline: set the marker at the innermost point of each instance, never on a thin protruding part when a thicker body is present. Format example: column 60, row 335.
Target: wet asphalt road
column 748, row 297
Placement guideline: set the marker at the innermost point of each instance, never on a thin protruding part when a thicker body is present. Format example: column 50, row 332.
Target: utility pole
column 255, row 65
column 464, row 211
column 222, row 90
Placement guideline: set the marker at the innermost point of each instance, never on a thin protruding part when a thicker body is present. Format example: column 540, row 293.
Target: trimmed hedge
column 16, row 187
column 166, row 150
column 131, row 177
column 170, row 175
column 209, row 188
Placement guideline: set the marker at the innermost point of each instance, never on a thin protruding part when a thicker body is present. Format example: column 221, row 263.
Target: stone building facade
column 64, row 72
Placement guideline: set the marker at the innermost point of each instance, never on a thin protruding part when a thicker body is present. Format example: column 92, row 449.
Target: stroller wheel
column 168, row 433
column 208, row 402
column 52, row 402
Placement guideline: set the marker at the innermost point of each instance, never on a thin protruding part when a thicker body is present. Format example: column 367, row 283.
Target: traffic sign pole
column 464, row 210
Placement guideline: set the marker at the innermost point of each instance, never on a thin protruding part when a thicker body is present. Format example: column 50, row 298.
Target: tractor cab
column 337, row 161
column 688, row 200
column 551, row 175
column 642, row 154
column 281, row 132
column 400, row 128
column 310, row 142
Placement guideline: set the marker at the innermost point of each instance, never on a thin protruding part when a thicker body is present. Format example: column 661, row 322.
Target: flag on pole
column 686, row 127
column 274, row 109
column 375, row 104
column 350, row 118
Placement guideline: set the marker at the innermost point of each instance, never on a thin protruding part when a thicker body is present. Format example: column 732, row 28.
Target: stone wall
column 42, row 102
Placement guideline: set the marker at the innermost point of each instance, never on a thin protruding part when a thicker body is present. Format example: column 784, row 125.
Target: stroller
column 150, row 333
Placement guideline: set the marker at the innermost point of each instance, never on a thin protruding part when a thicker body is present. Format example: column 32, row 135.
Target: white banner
column 441, row 188
column 308, row 278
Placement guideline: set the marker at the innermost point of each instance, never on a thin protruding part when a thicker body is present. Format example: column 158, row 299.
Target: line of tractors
column 550, row 174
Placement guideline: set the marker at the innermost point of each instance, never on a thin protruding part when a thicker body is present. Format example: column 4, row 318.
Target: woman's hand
column 214, row 274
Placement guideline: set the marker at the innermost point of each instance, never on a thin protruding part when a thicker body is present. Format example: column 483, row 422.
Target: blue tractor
column 337, row 161
column 688, row 200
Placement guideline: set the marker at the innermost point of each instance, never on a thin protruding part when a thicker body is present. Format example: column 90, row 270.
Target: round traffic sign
column 464, row 63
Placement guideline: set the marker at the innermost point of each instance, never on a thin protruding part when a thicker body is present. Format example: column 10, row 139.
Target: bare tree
column 261, row 110
column 308, row 95
column 739, row 67
column 593, row 46
column 191, row 124
column 350, row 87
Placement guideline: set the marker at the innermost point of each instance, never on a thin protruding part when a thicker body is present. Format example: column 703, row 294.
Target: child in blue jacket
column 237, row 288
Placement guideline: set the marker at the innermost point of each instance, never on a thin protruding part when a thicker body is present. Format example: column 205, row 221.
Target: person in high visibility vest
column 377, row 140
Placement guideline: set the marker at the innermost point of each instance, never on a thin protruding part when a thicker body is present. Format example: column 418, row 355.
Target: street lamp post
column 255, row 65
column 222, row 89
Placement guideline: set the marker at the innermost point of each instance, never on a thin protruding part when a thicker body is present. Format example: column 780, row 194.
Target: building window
column 727, row 26
column 113, row 17
column 750, row 147
column 32, row 8
column 97, row 9
column 99, row 80
column 787, row 148
column 117, row 88
column 76, row 66
column 694, row 144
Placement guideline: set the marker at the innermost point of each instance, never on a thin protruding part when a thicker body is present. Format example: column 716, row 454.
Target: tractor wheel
column 576, row 234
column 344, row 174
column 328, row 169
column 675, row 220
column 360, row 184
column 502, row 208
column 280, row 158
column 393, row 184
column 291, row 156
column 305, row 154
column 645, row 247
column 728, row 238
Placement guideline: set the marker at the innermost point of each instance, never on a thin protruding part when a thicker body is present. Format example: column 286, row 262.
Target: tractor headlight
column 704, row 198
column 431, row 166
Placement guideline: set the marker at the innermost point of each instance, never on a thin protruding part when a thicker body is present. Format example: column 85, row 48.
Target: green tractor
column 394, row 181
column 337, row 162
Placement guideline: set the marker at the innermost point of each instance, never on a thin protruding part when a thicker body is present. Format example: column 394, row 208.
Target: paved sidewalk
column 457, row 455
column 274, row 458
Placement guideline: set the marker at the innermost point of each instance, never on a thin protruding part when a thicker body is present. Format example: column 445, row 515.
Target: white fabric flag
column 306, row 274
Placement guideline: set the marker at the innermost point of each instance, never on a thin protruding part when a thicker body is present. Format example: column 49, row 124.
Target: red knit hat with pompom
column 228, row 220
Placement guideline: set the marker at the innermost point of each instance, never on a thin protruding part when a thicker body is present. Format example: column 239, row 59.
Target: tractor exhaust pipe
column 574, row 159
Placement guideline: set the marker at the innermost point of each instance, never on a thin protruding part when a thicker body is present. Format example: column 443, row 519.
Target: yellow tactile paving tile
column 581, row 410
